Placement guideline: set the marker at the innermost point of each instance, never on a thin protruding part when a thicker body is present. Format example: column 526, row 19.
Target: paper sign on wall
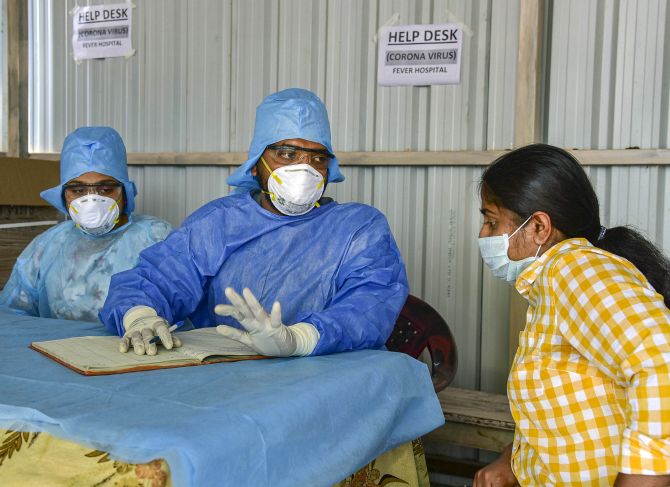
column 420, row 55
column 100, row 31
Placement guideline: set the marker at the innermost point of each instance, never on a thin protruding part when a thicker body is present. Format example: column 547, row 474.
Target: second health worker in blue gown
column 281, row 268
column 65, row 272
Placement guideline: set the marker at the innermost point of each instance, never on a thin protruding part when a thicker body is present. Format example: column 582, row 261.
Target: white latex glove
column 142, row 324
column 265, row 332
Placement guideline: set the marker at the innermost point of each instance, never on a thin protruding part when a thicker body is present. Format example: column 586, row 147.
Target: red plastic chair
column 419, row 326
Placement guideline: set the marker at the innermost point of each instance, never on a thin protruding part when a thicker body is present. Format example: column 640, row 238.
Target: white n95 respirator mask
column 494, row 253
column 94, row 214
column 295, row 189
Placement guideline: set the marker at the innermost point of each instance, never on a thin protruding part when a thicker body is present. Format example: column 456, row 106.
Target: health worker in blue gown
column 276, row 266
column 65, row 272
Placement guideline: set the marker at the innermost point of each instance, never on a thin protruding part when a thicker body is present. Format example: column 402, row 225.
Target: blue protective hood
column 289, row 114
column 92, row 149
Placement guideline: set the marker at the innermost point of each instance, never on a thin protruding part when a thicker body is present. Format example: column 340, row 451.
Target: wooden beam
column 17, row 78
column 459, row 467
column 473, row 419
column 477, row 408
column 471, row 436
column 622, row 157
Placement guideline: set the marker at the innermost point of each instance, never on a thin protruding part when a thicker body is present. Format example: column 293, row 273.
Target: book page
column 205, row 342
column 101, row 353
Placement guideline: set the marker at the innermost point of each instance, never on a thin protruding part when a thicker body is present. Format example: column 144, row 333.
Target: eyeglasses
column 290, row 154
column 75, row 190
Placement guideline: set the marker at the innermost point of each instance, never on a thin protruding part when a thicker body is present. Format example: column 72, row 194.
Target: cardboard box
column 22, row 180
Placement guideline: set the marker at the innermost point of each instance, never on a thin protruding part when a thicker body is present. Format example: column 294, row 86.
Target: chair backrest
column 419, row 326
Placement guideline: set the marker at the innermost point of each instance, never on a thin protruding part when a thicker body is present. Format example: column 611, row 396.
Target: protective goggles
column 290, row 154
column 75, row 190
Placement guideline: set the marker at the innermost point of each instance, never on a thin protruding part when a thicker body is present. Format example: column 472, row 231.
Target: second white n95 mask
column 94, row 214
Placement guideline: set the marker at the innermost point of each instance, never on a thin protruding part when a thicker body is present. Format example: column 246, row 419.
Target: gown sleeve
column 370, row 289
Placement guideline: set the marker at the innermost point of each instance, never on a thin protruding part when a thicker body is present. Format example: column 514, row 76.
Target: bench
column 473, row 419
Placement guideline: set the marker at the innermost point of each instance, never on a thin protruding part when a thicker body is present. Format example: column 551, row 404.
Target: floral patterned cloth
column 39, row 459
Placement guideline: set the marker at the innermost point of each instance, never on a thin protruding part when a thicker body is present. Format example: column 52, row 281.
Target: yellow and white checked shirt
column 589, row 388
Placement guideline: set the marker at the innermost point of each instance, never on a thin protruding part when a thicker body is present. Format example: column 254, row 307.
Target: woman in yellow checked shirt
column 589, row 387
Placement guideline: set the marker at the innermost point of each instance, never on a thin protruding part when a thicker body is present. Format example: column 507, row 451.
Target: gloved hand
column 265, row 333
column 142, row 324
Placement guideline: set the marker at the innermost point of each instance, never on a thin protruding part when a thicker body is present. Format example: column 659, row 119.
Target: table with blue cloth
column 293, row 421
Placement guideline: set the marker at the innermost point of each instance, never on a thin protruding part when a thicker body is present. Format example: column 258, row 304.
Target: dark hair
column 542, row 177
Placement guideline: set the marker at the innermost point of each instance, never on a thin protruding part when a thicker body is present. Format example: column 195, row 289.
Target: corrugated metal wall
column 203, row 65
column 608, row 87
column 609, row 83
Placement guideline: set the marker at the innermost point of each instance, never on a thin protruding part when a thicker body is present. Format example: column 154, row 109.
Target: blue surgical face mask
column 494, row 253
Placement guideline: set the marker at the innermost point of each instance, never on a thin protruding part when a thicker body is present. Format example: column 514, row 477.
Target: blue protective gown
column 65, row 273
column 336, row 267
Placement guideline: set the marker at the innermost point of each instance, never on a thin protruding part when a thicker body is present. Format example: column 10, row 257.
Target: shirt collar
column 530, row 274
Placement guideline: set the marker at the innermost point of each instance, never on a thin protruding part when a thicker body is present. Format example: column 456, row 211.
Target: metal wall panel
column 458, row 113
column 663, row 211
column 636, row 196
column 453, row 274
column 202, row 66
column 173, row 192
column 209, row 75
column 608, row 74
column 349, row 73
column 502, row 74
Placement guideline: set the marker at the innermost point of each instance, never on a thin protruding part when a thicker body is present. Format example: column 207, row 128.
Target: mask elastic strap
column 520, row 226
column 272, row 173
column 116, row 204
column 318, row 186
column 269, row 193
column 277, row 178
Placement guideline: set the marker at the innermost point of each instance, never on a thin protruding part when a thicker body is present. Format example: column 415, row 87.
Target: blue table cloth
column 281, row 422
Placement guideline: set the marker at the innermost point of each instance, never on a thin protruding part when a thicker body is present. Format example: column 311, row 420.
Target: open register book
column 99, row 355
